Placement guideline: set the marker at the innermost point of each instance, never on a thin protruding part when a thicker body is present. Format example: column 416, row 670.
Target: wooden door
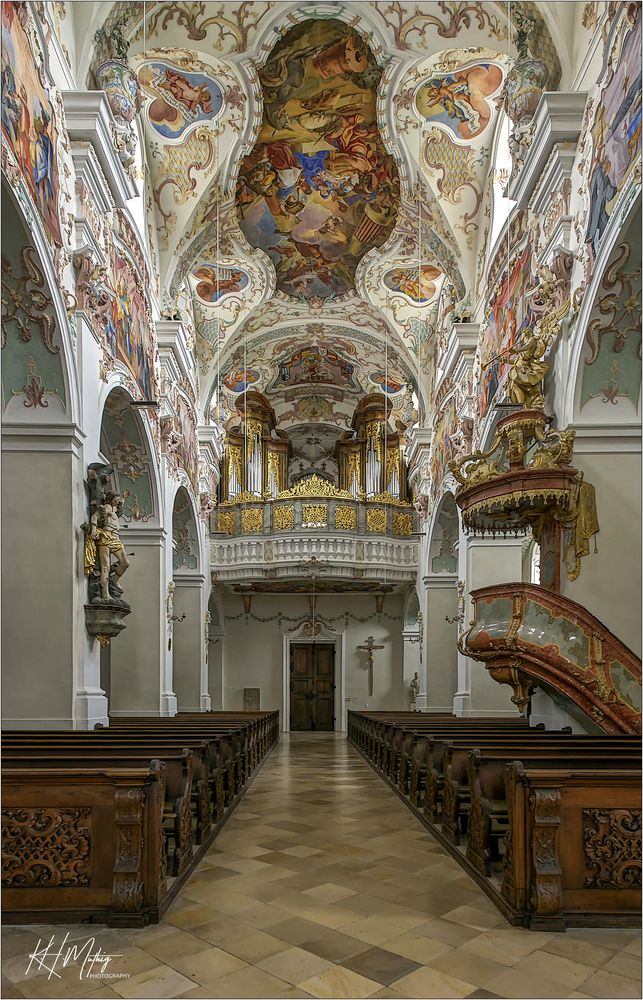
column 312, row 688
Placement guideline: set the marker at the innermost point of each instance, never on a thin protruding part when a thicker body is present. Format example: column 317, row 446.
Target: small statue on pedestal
column 414, row 687
column 102, row 540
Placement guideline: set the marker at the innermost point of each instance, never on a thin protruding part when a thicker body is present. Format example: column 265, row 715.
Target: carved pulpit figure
column 369, row 646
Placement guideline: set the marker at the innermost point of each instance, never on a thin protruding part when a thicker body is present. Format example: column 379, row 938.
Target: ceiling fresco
column 319, row 189
column 214, row 282
column 416, row 282
column 319, row 362
column 302, row 161
column 459, row 103
column 178, row 101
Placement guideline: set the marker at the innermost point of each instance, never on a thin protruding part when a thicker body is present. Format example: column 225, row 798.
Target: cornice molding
column 558, row 118
column 88, row 117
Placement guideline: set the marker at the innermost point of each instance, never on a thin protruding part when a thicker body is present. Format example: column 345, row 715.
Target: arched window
column 501, row 206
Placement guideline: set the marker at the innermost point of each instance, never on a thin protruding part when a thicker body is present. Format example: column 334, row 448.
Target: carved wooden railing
column 527, row 636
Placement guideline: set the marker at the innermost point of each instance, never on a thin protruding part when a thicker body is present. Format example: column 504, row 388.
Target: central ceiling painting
column 319, row 190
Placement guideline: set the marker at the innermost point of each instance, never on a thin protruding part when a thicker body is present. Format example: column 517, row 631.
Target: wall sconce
column 177, row 618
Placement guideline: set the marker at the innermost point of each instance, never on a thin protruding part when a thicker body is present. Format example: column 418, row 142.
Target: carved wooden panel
column 612, row 844
column 127, row 885
column 46, row 847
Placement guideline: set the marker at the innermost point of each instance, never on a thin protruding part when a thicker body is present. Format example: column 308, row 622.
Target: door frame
column 326, row 634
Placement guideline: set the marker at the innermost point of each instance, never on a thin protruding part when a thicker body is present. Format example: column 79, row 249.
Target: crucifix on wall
column 369, row 646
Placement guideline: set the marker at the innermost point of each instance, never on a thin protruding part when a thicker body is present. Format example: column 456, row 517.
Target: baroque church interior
column 321, row 519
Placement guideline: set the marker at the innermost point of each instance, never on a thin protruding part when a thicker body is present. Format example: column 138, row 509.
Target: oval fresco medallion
column 461, row 103
column 416, row 283
column 178, row 100
column 214, row 282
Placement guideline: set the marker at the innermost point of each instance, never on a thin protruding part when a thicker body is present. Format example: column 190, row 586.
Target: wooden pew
column 573, row 847
column 177, row 812
column 488, row 814
column 83, row 845
column 205, row 759
column 501, row 806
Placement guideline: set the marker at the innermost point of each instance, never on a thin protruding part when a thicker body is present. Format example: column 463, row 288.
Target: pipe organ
column 256, row 454
column 371, row 456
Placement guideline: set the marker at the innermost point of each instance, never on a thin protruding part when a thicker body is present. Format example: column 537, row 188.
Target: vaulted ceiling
column 319, row 179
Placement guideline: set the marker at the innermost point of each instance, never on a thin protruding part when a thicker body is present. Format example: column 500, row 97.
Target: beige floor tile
column 509, row 945
column 633, row 948
column 516, row 986
column 577, row 950
column 474, row 916
column 329, row 893
column 157, row 984
column 295, row 965
column 555, row 968
column 415, row 946
column 429, row 983
column 252, row 945
column 337, row 983
column 206, row 966
column 175, row 945
column 248, row 982
column 472, row 968
column 372, row 929
column 624, row 965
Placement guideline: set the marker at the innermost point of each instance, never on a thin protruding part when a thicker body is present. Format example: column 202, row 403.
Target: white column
column 441, row 642
column 141, row 663
column 188, row 641
column 483, row 562
column 411, row 664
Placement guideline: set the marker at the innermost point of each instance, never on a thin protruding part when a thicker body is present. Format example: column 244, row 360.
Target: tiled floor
column 323, row 884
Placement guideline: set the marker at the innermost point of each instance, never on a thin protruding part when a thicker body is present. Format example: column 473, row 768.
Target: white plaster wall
column 187, row 646
column 609, row 584
column 138, row 654
column 441, row 647
column 253, row 651
column 38, row 592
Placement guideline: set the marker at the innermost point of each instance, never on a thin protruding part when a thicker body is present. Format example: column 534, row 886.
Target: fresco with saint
column 127, row 331
column 460, row 103
column 28, row 123
column 318, row 190
column 616, row 131
column 509, row 315
column 178, row 100
column 416, row 283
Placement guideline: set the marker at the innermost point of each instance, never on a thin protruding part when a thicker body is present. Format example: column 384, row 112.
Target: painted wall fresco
column 124, row 446
column 508, row 316
column 178, row 100
column 387, row 382
column 31, row 361
column 187, row 451
column 416, row 284
column 28, row 122
column 215, row 282
column 460, row 103
column 319, row 189
column 442, row 449
column 611, row 371
column 129, row 338
column 616, row 132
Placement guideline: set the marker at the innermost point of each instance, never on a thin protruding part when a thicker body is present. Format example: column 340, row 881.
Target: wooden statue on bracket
column 105, row 559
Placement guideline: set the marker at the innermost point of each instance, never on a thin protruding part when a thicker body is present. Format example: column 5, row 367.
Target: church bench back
column 572, row 850
column 105, row 853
